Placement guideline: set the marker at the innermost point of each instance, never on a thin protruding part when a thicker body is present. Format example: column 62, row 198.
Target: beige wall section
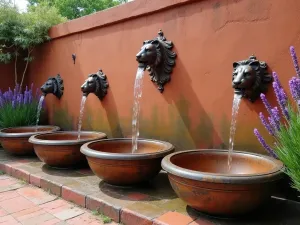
column 195, row 109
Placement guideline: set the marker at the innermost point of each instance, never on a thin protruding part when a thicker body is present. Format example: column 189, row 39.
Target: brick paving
column 151, row 203
column 21, row 203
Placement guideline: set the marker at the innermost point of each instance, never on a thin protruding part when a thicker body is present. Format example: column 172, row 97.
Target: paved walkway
column 21, row 203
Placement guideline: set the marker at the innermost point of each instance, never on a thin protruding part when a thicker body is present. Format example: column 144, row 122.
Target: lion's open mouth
column 142, row 65
column 239, row 91
column 85, row 94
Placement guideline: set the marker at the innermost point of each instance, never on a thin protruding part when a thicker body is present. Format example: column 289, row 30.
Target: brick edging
column 116, row 213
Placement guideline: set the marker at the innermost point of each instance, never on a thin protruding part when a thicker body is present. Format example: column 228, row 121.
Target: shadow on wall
column 178, row 128
column 110, row 107
column 105, row 119
column 62, row 118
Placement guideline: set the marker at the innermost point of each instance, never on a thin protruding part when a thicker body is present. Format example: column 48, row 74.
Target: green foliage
column 23, row 115
column 105, row 219
column 21, row 32
column 10, row 27
column 37, row 22
column 18, row 108
column 73, row 9
column 287, row 146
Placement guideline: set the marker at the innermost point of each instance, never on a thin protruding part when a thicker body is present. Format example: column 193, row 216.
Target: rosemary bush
column 284, row 127
column 17, row 108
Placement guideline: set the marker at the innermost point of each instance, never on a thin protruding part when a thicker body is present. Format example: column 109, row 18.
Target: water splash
column 235, row 110
column 136, row 108
column 81, row 116
column 39, row 109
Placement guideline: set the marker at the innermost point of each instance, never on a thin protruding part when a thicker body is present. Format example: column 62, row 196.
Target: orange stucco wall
column 195, row 109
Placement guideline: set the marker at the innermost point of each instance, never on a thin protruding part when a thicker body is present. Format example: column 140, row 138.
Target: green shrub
column 17, row 108
column 284, row 127
column 20, row 33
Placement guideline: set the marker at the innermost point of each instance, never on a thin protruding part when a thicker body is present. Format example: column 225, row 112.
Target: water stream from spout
column 81, row 116
column 136, row 107
column 235, row 110
column 39, row 109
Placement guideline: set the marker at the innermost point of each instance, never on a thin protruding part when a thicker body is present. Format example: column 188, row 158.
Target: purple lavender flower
column 16, row 97
column 274, row 119
column 266, row 103
column 273, row 123
column 294, row 84
column 298, row 103
column 276, row 79
column 18, row 101
column 276, row 114
column 281, row 99
column 10, row 95
column 265, row 123
column 295, row 60
column 264, row 144
column 30, row 98
column 22, row 99
column 293, row 88
column 25, row 97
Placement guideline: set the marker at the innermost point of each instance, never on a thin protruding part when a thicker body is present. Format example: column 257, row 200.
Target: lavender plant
column 284, row 127
column 18, row 108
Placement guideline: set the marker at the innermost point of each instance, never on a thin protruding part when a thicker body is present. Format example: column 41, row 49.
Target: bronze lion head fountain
column 250, row 78
column 158, row 58
column 97, row 84
column 54, row 85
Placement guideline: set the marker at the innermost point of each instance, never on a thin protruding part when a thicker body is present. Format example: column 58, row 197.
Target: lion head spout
column 158, row 58
column 54, row 85
column 97, row 84
column 250, row 78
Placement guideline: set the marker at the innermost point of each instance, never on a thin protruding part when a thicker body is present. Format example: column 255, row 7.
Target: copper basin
column 62, row 149
column 15, row 139
column 201, row 178
column 112, row 160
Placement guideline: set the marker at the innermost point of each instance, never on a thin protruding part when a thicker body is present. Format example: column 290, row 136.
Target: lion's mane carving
column 54, row 85
column 97, row 84
column 250, row 78
column 158, row 58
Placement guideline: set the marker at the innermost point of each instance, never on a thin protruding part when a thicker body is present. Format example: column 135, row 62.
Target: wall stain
column 62, row 118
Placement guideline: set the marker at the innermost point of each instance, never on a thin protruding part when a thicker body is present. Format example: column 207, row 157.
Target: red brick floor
column 151, row 203
column 21, row 203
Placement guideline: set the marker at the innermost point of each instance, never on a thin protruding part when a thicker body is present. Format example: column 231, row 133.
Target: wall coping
column 114, row 15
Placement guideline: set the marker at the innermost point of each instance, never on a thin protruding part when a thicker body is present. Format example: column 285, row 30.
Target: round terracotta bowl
column 201, row 179
column 62, row 149
column 15, row 139
column 113, row 161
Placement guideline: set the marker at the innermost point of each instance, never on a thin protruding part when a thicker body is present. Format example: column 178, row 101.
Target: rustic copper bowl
column 112, row 160
column 201, row 178
column 15, row 139
column 62, row 149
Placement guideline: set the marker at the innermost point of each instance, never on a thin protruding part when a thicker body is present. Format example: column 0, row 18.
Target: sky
column 22, row 4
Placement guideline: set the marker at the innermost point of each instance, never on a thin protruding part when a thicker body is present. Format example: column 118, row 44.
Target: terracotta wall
column 195, row 109
column 6, row 76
